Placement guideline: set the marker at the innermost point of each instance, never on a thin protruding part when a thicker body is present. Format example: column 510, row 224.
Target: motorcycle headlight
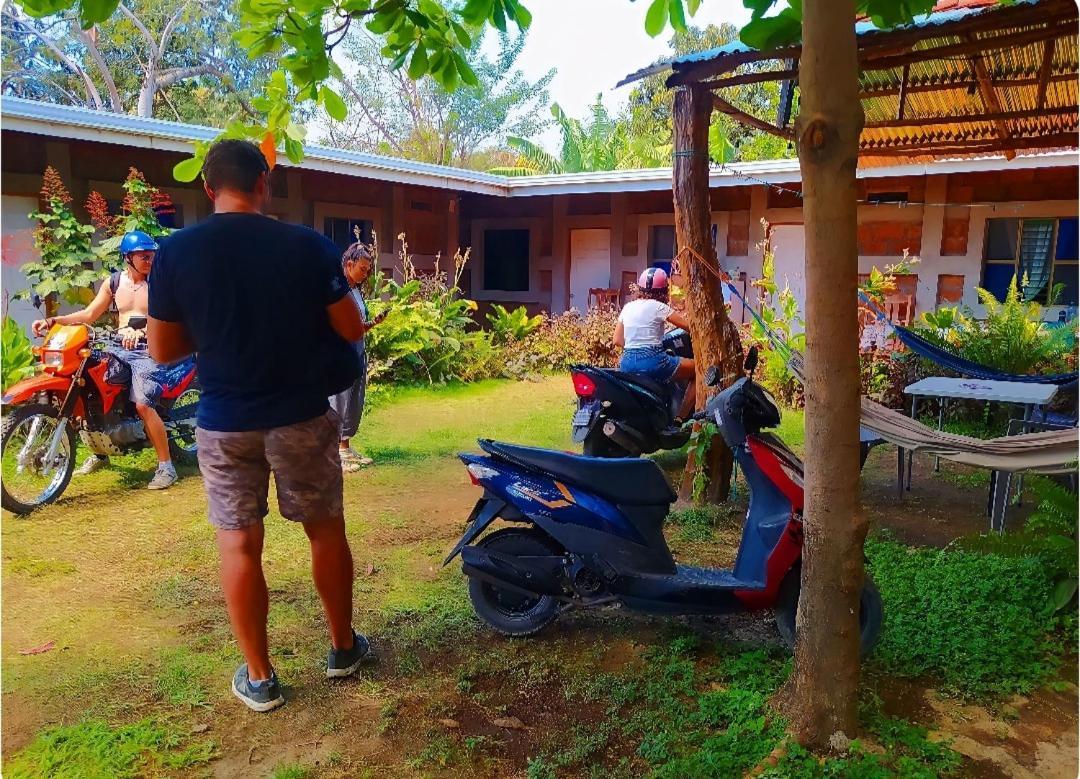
column 53, row 359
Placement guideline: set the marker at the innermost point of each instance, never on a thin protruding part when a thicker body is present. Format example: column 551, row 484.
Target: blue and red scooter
column 587, row 531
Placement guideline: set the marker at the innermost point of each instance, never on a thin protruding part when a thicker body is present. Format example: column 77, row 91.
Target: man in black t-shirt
column 263, row 304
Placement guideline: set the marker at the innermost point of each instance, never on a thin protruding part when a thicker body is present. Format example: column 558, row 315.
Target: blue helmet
column 137, row 241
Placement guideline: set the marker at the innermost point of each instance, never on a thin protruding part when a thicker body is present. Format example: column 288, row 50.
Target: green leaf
column 294, row 150
column 656, row 17
column 773, row 31
column 758, row 7
column 188, row 170
column 523, row 17
column 466, row 72
column 692, row 6
column 93, row 12
column 678, row 15
column 462, row 35
column 418, row 65
column 333, row 103
column 1063, row 593
column 399, row 60
column 295, row 131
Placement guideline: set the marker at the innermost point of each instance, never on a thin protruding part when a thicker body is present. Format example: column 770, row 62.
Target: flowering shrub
column 562, row 340
column 65, row 269
column 142, row 206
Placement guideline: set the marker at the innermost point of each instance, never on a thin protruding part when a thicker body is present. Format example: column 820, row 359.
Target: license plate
column 583, row 416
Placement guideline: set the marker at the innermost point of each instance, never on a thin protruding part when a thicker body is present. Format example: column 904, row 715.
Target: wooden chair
column 900, row 309
column 601, row 297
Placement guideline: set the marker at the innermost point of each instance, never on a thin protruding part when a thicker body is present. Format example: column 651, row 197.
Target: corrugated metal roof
column 73, row 123
column 974, row 78
column 862, row 29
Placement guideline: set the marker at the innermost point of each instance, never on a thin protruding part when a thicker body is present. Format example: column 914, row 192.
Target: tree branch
column 168, row 31
column 103, row 67
column 167, row 78
column 375, row 122
column 92, row 93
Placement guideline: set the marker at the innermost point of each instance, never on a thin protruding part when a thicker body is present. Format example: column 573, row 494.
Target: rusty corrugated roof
column 974, row 77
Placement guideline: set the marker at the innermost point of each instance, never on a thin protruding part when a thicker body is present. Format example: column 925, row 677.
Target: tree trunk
column 718, row 461
column 709, row 325
column 820, row 697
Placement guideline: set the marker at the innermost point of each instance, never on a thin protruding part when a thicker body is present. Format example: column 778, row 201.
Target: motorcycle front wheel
column 29, row 482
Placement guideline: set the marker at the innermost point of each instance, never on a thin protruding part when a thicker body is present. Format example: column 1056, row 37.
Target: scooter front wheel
column 508, row 612
column 870, row 611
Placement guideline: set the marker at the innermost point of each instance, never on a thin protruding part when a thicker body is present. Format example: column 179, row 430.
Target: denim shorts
column 651, row 362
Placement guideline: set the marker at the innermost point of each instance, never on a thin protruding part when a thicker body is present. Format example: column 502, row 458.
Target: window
column 342, row 231
column 506, row 260
column 661, row 243
column 1041, row 253
column 887, row 197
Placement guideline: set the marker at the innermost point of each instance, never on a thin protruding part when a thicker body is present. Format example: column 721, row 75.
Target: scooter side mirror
column 751, row 360
column 36, row 301
column 137, row 323
column 712, row 376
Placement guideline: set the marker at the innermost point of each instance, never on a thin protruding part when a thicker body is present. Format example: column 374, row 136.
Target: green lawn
column 123, row 581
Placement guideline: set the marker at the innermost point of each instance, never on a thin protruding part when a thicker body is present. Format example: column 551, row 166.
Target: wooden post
column 820, row 696
column 716, row 340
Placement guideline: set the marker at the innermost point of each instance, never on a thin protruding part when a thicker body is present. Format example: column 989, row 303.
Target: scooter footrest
column 710, row 577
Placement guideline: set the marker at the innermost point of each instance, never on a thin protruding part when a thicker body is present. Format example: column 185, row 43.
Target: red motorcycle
column 83, row 390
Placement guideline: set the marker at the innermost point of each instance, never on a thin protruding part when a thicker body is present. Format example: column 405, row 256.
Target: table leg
column 900, row 457
column 911, row 453
column 1028, row 413
column 999, row 500
column 940, row 421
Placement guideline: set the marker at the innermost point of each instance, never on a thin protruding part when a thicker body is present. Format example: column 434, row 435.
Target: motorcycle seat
column 655, row 387
column 623, row 481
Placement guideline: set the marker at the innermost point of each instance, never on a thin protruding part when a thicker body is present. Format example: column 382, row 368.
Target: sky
column 595, row 43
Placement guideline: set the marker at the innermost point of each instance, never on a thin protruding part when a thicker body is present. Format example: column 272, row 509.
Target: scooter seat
column 655, row 387
column 623, row 481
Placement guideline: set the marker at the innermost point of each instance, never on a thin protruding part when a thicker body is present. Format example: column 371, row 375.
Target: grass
column 92, row 749
column 144, row 651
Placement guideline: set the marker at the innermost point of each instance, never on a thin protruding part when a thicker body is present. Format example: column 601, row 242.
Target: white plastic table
column 1027, row 394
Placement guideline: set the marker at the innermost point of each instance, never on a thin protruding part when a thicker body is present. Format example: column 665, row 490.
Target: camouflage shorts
column 304, row 459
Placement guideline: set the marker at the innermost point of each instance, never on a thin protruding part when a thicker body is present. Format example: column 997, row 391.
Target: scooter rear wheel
column 509, row 612
column 599, row 445
column 870, row 611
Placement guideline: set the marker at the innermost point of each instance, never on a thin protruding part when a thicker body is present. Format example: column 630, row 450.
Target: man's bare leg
column 155, row 431
column 246, row 598
column 332, row 570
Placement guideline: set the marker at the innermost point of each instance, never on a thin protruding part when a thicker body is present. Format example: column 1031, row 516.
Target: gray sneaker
column 257, row 696
column 345, row 662
column 92, row 463
column 164, row 476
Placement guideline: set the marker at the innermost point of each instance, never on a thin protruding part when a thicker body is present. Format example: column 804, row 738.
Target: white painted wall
column 16, row 249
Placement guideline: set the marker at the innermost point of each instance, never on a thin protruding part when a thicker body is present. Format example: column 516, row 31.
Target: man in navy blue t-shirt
column 263, row 304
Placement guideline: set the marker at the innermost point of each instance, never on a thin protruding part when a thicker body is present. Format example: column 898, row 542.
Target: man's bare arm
column 346, row 319
column 87, row 316
column 167, row 341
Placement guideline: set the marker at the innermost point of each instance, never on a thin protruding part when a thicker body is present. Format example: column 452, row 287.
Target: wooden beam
column 1044, row 72
column 752, row 78
column 723, row 106
column 962, row 83
column 967, row 47
column 973, row 146
column 989, row 95
column 903, row 92
column 1002, row 116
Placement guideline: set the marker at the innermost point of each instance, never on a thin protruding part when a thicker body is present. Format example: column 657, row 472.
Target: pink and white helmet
column 653, row 278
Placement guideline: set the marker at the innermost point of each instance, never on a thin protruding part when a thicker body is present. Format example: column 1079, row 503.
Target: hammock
column 1054, row 451
column 955, row 363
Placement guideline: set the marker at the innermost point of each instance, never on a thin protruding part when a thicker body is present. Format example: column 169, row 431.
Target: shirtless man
column 130, row 296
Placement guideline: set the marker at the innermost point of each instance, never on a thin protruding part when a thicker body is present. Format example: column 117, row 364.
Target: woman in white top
column 640, row 331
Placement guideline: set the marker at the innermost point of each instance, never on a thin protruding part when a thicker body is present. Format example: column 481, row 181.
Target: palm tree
column 585, row 146
column 601, row 142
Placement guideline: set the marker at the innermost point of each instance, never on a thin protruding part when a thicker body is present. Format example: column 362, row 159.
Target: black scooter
column 625, row 415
